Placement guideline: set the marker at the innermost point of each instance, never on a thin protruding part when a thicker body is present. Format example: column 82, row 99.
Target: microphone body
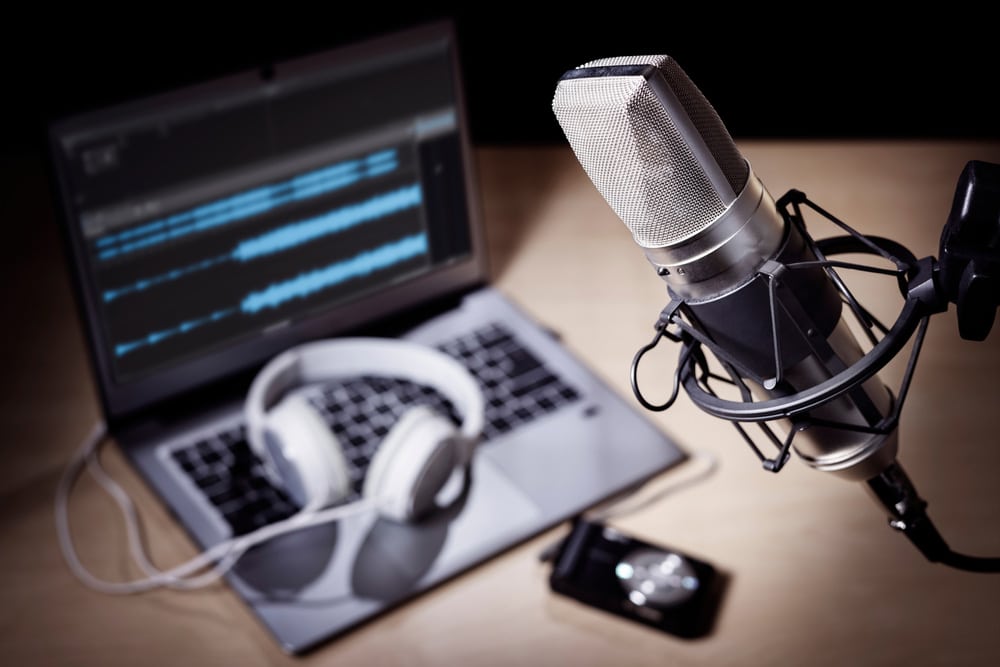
column 659, row 154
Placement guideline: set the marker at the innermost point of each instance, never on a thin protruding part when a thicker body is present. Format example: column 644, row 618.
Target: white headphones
column 411, row 464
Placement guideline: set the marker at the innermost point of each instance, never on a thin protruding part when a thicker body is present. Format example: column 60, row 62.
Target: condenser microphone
column 747, row 282
column 662, row 158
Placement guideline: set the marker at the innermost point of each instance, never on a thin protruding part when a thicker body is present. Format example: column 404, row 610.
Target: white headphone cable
column 636, row 501
column 220, row 557
column 639, row 498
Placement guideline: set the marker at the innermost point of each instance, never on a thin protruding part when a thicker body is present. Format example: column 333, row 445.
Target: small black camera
column 651, row 584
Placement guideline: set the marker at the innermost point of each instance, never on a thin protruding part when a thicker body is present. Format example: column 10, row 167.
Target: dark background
column 823, row 71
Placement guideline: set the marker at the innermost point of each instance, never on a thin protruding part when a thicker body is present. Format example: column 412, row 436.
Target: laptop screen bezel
column 123, row 399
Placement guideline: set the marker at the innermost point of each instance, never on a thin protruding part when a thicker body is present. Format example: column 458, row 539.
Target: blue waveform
column 336, row 221
column 173, row 274
column 189, row 325
column 246, row 204
column 299, row 287
column 290, row 235
column 362, row 264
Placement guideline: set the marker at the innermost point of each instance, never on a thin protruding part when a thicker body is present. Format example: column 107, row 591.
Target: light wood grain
column 817, row 577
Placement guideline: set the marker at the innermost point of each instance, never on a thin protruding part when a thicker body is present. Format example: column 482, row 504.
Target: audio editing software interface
column 220, row 216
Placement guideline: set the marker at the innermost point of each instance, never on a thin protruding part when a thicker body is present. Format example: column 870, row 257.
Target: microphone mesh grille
column 641, row 161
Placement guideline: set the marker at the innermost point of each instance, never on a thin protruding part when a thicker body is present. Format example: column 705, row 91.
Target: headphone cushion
column 412, row 463
column 305, row 456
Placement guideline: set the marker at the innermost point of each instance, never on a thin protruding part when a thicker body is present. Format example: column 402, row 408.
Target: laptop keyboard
column 517, row 386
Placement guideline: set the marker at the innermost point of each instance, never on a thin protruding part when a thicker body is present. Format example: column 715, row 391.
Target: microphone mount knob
column 970, row 249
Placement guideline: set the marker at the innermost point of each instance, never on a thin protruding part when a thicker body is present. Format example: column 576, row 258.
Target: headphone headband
column 325, row 360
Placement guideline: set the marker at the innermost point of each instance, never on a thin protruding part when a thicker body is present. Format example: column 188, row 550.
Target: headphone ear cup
column 304, row 454
column 411, row 464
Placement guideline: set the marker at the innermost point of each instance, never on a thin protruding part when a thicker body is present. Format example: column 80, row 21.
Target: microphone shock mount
column 968, row 274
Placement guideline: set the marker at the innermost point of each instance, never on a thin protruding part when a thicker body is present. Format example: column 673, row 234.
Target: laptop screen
column 212, row 227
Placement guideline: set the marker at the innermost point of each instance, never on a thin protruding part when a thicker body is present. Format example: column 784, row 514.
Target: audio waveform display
column 336, row 221
column 289, row 236
column 183, row 327
column 246, row 204
column 263, row 258
column 360, row 265
column 301, row 286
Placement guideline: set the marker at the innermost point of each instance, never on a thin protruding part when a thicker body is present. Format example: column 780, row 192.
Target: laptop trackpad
column 374, row 559
column 394, row 558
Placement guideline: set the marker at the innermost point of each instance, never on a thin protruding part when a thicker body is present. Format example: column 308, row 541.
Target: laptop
column 212, row 227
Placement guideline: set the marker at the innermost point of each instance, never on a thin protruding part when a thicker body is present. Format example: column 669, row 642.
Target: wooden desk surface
column 817, row 577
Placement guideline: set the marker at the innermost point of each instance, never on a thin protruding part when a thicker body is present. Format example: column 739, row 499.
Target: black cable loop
column 686, row 351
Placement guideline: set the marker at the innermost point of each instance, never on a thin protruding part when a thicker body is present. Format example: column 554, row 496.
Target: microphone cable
column 894, row 490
